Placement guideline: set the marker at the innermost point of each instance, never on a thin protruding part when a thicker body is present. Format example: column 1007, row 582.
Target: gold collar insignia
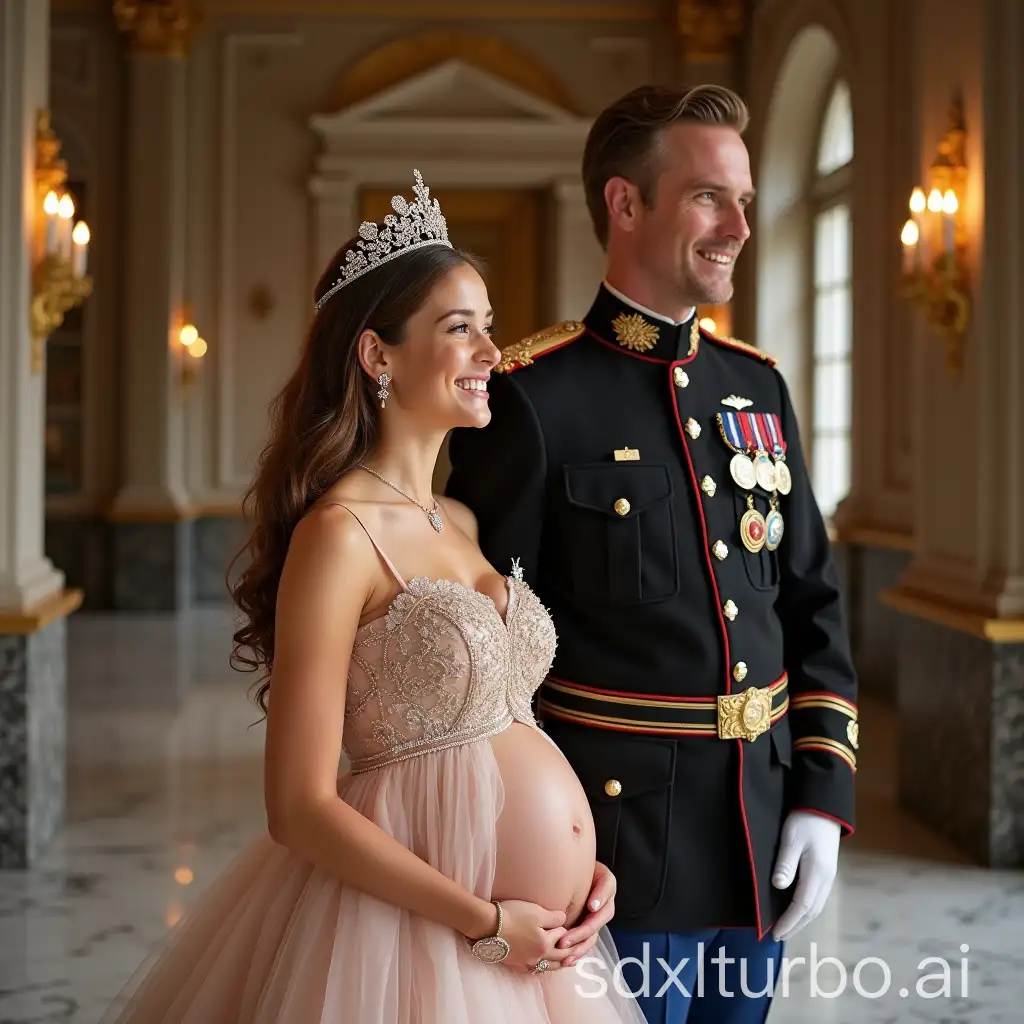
column 632, row 331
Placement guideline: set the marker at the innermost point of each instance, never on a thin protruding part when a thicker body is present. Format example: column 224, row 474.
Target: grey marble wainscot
column 961, row 713
column 32, row 742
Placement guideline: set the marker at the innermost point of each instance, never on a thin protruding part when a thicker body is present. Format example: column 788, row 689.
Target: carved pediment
column 451, row 91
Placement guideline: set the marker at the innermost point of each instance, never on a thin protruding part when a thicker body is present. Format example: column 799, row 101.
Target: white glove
column 810, row 848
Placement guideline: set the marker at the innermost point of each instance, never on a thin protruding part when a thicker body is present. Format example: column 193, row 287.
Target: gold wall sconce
column 61, row 247
column 189, row 349
column 935, row 274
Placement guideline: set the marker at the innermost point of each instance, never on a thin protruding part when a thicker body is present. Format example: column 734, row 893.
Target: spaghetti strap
column 377, row 547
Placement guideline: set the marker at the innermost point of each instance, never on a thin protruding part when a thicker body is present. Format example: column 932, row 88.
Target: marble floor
column 164, row 783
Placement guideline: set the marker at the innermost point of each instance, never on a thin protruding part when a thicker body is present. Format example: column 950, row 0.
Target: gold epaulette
column 523, row 353
column 741, row 346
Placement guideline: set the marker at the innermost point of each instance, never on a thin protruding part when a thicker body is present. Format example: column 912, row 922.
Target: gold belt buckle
column 744, row 716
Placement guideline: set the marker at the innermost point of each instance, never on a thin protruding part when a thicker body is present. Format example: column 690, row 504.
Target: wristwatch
column 492, row 949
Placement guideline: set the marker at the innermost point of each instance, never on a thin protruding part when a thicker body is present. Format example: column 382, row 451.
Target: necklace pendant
column 435, row 519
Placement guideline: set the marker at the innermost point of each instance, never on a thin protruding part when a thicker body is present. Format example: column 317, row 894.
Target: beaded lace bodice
column 443, row 668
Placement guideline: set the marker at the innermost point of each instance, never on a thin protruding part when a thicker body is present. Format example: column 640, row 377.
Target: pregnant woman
column 433, row 883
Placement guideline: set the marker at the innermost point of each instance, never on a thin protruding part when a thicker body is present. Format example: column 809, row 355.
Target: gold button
column 693, row 428
column 720, row 551
column 739, row 673
column 708, row 486
column 730, row 610
column 622, row 507
column 613, row 787
column 680, row 376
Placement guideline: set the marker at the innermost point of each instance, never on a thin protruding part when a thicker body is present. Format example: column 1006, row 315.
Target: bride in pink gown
column 445, row 878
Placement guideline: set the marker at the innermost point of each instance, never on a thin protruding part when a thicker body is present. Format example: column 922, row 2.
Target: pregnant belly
column 545, row 834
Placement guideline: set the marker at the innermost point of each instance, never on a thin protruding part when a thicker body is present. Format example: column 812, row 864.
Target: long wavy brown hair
column 323, row 421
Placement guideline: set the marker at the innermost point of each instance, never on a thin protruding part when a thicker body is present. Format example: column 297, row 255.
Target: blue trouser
column 727, row 976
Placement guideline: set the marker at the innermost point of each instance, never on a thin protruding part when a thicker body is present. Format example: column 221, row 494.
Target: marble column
column 961, row 658
column 33, row 601
column 152, row 515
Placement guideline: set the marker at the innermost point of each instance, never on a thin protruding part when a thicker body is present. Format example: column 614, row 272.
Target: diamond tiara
column 417, row 224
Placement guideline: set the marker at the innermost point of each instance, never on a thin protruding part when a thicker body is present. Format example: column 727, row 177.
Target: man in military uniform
column 649, row 480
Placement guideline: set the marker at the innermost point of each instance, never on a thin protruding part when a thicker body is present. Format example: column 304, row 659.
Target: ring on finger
column 540, row 967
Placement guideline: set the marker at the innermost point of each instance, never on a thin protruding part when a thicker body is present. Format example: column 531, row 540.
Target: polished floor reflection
column 165, row 787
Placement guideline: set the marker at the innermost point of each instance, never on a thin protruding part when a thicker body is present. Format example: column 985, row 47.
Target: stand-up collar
column 638, row 331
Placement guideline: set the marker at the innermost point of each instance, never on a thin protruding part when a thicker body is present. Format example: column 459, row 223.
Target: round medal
column 753, row 530
column 764, row 471
column 774, row 528
column 783, row 478
column 742, row 471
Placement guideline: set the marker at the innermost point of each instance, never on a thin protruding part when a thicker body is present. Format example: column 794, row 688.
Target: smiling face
column 440, row 370
column 685, row 244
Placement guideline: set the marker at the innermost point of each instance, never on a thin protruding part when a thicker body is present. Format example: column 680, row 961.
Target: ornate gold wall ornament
column 634, row 332
column 709, row 28
column 51, row 171
column 935, row 273
column 189, row 350
column 56, row 286
column 164, row 27
column 55, row 291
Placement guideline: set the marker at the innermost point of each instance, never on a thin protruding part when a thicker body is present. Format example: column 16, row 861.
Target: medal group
column 759, row 460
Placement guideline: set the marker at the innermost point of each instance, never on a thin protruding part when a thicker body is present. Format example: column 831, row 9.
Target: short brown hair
column 623, row 141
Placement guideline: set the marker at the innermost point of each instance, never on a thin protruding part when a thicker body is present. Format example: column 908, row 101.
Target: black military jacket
column 661, row 609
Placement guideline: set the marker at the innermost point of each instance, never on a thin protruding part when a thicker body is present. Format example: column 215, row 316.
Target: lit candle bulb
column 949, row 208
column 935, row 201
column 909, row 237
column 188, row 335
column 918, row 204
column 198, row 348
column 65, row 211
column 80, row 240
column 51, row 206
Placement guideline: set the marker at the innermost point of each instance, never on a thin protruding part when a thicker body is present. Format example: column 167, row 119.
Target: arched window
column 831, row 375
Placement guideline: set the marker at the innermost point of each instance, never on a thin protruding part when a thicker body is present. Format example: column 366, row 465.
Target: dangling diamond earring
column 383, row 380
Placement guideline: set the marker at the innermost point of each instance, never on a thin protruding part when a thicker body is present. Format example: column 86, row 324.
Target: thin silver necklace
column 433, row 514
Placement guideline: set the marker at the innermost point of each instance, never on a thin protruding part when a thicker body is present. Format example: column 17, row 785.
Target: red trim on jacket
column 629, row 693
column 622, row 351
column 725, row 634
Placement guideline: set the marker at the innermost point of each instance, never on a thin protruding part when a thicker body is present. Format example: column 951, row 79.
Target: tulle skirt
column 278, row 941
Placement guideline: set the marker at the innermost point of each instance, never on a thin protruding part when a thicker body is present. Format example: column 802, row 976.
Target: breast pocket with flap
column 621, row 533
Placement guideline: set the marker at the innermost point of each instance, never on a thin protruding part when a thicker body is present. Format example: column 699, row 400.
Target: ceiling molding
column 465, row 11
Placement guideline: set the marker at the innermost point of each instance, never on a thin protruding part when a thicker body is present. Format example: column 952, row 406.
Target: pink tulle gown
column 278, row 941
